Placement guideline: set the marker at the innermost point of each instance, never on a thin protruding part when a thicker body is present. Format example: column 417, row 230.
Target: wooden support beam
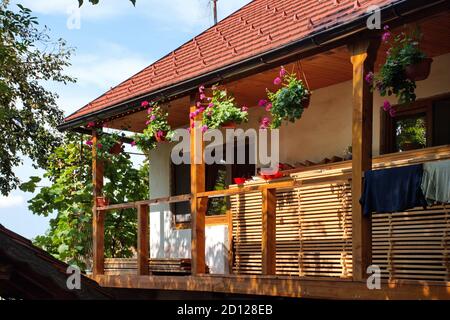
column 198, row 205
column 143, row 245
column 268, row 244
column 98, row 217
column 363, row 55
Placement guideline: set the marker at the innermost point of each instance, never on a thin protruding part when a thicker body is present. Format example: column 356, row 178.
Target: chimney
column 215, row 11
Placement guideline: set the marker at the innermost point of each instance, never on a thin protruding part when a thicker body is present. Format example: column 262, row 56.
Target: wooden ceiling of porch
column 321, row 70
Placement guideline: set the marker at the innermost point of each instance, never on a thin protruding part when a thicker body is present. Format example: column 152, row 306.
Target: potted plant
column 411, row 134
column 221, row 111
column 158, row 128
column 288, row 102
column 108, row 144
column 405, row 64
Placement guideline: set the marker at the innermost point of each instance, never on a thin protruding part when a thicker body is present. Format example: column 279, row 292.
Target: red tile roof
column 258, row 27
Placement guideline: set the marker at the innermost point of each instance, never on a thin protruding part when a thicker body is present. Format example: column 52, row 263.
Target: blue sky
column 113, row 41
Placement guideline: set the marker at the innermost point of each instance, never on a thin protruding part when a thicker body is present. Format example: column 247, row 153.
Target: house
column 303, row 235
column 28, row 272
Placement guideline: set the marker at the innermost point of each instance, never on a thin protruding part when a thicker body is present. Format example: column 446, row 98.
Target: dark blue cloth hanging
column 392, row 190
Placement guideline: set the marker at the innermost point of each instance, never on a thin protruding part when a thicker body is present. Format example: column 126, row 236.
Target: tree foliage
column 70, row 197
column 28, row 111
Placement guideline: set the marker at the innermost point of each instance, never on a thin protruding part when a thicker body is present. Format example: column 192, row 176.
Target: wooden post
column 198, row 205
column 143, row 250
column 268, row 245
column 98, row 217
column 363, row 55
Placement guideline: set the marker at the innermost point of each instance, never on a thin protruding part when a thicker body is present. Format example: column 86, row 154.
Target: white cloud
column 177, row 14
column 11, row 201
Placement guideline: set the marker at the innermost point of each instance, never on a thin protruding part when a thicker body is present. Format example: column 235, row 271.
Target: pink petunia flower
column 202, row 96
column 262, row 102
column 89, row 142
column 152, row 117
column 244, row 108
column 265, row 122
column 149, row 110
column 201, row 89
column 369, row 77
column 160, row 134
column 268, row 106
column 204, row 128
column 201, row 109
column 386, row 27
column 386, row 36
column 277, row 81
column 133, row 143
column 282, row 72
column 211, row 105
column 386, row 105
column 144, row 104
column 198, row 104
column 192, row 115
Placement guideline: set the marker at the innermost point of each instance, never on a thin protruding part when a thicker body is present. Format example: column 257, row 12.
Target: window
column 422, row 124
column 217, row 176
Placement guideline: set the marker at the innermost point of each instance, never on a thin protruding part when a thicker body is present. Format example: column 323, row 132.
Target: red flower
column 144, row 104
column 99, row 145
column 89, row 142
column 268, row 106
column 262, row 102
column 277, row 81
column 91, row 124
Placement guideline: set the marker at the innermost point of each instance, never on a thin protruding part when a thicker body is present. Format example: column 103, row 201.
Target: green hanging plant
column 288, row 102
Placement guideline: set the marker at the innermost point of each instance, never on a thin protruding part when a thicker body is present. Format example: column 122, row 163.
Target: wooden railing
column 277, row 204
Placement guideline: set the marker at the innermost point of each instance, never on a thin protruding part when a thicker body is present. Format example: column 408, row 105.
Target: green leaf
column 30, row 186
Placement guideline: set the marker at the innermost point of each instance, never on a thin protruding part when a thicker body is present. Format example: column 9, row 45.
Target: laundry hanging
column 392, row 190
column 436, row 181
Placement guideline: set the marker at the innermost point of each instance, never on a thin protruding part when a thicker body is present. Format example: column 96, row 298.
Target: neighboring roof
column 28, row 272
column 260, row 26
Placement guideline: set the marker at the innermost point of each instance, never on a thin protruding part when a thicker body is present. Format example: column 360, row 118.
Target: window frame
column 420, row 106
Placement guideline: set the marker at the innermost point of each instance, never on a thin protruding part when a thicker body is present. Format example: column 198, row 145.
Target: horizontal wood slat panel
column 313, row 231
column 413, row 244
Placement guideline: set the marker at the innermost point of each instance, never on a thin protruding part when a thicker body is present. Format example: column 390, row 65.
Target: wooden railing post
column 98, row 217
column 198, row 205
column 143, row 245
column 268, row 245
column 363, row 55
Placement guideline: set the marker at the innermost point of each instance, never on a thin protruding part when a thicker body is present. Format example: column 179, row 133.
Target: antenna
column 215, row 10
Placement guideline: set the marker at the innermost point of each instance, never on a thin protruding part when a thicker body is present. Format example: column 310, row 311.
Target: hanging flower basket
column 116, row 148
column 229, row 125
column 288, row 102
column 158, row 128
column 222, row 110
column 419, row 71
column 239, row 180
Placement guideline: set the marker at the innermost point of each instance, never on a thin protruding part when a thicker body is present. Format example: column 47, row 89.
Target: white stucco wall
column 323, row 131
column 168, row 242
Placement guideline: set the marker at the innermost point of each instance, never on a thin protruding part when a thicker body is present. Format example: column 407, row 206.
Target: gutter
column 392, row 12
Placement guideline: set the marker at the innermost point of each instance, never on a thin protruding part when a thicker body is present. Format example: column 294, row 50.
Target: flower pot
column 229, row 125
column 239, row 180
column 419, row 71
column 101, row 202
column 161, row 138
column 407, row 146
column 116, row 148
column 306, row 102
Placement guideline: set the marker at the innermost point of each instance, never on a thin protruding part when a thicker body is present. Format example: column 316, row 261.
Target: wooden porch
column 304, row 235
column 293, row 238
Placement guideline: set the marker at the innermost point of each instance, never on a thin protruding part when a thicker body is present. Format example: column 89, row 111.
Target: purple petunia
column 369, row 77
column 386, row 105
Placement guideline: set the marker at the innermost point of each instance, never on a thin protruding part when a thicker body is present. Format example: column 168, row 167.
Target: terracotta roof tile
column 258, row 27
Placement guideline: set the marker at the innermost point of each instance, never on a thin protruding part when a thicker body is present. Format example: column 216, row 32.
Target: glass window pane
column 410, row 133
